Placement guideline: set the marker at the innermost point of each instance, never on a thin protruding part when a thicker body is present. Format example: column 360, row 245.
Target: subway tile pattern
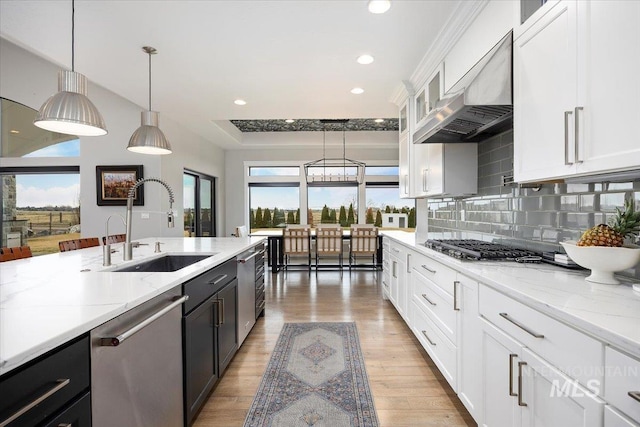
column 535, row 218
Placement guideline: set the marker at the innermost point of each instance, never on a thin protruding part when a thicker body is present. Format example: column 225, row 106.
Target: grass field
column 47, row 228
column 49, row 244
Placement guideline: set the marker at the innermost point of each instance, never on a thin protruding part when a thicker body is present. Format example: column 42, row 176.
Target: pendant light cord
column 149, row 81
column 73, row 32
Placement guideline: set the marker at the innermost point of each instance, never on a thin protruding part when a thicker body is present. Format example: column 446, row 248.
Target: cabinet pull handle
column 217, row 303
column 119, row 339
column 635, row 395
column 219, row 279
column 396, row 250
column 222, row 311
column 243, row 260
column 385, row 284
column 520, row 365
column 65, row 425
column 511, row 357
column 428, row 269
column 406, row 184
column 393, row 269
column 428, row 339
column 428, row 300
column 424, row 180
column 455, row 295
column 566, row 138
column 521, row 326
column 262, row 304
column 60, row 384
column 577, row 136
column 408, row 263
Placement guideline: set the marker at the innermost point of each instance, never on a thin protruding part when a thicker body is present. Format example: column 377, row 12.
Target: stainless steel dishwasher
column 136, row 366
column 246, row 292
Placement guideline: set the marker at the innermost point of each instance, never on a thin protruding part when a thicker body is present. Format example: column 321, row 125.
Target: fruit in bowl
column 601, row 248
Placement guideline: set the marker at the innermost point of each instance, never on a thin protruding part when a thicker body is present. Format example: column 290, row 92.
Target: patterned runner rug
column 316, row 377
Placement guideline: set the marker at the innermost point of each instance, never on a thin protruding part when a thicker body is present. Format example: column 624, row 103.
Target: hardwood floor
column 407, row 388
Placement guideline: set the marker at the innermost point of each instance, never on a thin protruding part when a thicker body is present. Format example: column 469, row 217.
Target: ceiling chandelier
column 148, row 138
column 70, row 111
column 336, row 172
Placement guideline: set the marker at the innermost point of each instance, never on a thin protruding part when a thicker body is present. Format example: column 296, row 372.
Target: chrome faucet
column 106, row 247
column 128, row 246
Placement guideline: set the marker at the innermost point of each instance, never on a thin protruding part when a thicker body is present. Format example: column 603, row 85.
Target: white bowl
column 603, row 261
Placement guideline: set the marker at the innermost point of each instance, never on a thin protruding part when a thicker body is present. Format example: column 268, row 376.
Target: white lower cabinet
column 499, row 355
column 469, row 343
column 613, row 418
column 550, row 398
column 399, row 286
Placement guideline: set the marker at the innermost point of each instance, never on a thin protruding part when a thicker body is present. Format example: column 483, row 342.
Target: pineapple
column 625, row 224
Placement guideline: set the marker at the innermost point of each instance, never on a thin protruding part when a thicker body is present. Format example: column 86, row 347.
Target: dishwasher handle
column 117, row 340
column 255, row 254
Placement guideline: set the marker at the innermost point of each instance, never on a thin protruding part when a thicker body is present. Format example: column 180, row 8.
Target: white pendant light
column 148, row 138
column 379, row 6
column 70, row 111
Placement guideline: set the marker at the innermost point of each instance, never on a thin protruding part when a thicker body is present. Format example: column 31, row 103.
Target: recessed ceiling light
column 240, row 102
column 365, row 59
column 14, row 131
column 379, row 6
column 357, row 90
column 289, row 120
column 379, row 120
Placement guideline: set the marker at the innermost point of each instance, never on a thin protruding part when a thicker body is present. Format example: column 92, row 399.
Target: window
column 273, row 205
column 274, row 171
column 333, row 205
column 198, row 197
column 40, row 207
column 384, row 198
column 382, row 171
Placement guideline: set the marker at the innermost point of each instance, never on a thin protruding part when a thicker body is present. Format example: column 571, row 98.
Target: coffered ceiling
column 292, row 59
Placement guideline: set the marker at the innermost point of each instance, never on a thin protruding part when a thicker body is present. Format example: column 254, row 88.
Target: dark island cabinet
column 209, row 333
column 52, row 390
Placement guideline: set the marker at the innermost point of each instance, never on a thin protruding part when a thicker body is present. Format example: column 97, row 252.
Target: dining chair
column 296, row 242
column 6, row 255
column 72, row 245
column 363, row 243
column 22, row 252
column 114, row 238
column 328, row 243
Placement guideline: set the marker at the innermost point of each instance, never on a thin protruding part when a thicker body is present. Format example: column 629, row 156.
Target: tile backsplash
column 536, row 218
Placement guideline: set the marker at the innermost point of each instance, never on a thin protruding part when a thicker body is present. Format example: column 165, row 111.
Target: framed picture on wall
column 113, row 184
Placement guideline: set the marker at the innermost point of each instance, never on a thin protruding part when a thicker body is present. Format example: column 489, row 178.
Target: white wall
column 30, row 80
column 306, row 149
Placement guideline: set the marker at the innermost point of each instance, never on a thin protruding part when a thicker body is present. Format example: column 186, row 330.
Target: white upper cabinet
column 574, row 90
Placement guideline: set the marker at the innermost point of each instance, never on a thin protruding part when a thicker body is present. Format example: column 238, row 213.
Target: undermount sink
column 166, row 263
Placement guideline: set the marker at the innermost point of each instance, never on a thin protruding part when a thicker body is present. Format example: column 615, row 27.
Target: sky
column 48, row 190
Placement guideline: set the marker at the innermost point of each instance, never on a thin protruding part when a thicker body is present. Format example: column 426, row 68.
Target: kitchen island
column 49, row 300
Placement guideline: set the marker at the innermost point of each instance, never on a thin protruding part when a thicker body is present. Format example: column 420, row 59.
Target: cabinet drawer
column 438, row 273
column 437, row 303
column 613, row 418
column 202, row 287
column 574, row 353
column 622, row 376
column 62, row 374
column 442, row 351
column 76, row 415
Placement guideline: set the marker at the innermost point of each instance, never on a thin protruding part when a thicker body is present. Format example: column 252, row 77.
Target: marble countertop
column 48, row 300
column 608, row 312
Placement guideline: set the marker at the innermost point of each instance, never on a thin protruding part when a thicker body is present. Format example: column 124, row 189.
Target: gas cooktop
column 478, row 250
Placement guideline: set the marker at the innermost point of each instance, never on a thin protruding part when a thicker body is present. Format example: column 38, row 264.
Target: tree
column 332, row 216
column 278, row 217
column 412, row 218
column 291, row 218
column 252, row 219
column 369, row 217
column 297, row 220
column 259, row 221
column 378, row 222
column 324, row 216
column 343, row 216
column 266, row 218
column 387, row 209
column 395, row 210
column 351, row 217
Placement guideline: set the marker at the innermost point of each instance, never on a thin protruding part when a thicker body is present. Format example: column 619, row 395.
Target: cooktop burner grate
column 478, row 250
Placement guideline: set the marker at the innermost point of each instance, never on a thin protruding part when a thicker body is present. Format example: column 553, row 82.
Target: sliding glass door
column 199, row 208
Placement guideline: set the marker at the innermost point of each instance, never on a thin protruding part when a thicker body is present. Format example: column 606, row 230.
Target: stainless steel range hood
column 478, row 106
